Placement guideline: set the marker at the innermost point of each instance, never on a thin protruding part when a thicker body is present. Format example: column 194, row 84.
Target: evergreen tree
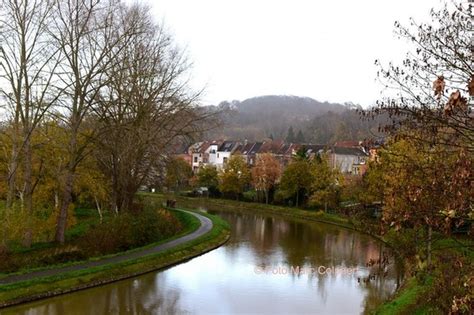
column 290, row 138
column 300, row 137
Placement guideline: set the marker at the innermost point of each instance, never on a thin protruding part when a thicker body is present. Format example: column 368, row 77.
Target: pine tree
column 290, row 138
column 300, row 137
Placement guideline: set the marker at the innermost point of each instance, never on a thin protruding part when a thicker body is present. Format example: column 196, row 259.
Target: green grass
column 314, row 215
column 28, row 290
column 190, row 224
column 407, row 299
column 85, row 219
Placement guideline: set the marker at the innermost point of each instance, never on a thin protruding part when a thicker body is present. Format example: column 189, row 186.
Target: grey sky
column 321, row 49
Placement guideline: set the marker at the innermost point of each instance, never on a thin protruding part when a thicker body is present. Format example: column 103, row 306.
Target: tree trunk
column 430, row 235
column 12, row 178
column 66, row 197
column 65, row 202
column 266, row 197
column 99, row 210
column 297, row 197
column 28, row 198
column 13, row 165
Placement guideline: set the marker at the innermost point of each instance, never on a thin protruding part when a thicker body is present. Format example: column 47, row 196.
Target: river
column 271, row 265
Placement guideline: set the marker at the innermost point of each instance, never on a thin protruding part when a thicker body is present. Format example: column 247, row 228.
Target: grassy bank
column 26, row 291
column 189, row 222
column 91, row 237
column 422, row 287
column 222, row 204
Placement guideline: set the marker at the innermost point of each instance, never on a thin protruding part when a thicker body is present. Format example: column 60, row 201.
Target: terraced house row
column 349, row 157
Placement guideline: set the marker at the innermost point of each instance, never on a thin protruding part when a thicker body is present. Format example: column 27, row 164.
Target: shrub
column 250, row 195
column 127, row 231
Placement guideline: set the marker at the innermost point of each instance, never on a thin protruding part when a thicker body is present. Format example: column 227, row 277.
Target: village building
column 349, row 160
column 349, row 157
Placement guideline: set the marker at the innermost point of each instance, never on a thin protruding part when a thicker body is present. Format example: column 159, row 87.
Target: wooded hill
column 272, row 116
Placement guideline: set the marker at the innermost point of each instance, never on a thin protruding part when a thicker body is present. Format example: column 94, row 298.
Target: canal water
column 271, row 265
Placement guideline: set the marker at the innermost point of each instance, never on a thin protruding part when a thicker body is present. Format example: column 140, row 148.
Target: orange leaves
column 438, row 86
column 455, row 103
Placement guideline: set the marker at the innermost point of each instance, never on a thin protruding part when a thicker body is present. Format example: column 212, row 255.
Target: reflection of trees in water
column 281, row 242
column 265, row 240
column 139, row 296
column 142, row 296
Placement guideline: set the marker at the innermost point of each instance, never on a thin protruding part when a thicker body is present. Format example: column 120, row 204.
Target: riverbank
column 98, row 272
column 419, row 284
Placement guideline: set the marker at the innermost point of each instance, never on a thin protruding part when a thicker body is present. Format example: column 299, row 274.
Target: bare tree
column 85, row 32
column 432, row 84
column 27, row 72
column 147, row 106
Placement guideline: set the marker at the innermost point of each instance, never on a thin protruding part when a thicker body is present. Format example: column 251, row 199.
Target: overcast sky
column 318, row 48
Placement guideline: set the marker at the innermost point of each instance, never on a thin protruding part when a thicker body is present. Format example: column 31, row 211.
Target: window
column 195, row 159
column 217, row 155
column 225, row 160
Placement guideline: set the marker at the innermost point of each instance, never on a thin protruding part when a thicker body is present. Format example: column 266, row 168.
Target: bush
column 250, row 195
column 280, row 197
column 6, row 262
column 452, row 288
column 127, row 231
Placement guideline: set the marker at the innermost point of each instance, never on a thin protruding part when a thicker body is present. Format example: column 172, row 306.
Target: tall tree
column 326, row 184
column 146, row 106
column 290, row 137
column 178, row 173
column 425, row 189
column 85, row 32
column 300, row 137
column 296, row 179
column 235, row 176
column 430, row 111
column 266, row 173
column 208, row 177
column 28, row 66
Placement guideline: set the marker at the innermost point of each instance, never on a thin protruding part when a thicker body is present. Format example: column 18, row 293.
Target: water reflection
column 230, row 280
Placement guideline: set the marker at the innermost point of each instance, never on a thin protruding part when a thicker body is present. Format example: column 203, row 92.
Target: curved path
column 206, row 226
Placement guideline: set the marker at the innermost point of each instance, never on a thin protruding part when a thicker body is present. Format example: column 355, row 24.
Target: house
column 347, row 144
column 313, row 150
column 199, row 155
column 225, row 150
column 181, row 151
column 244, row 150
column 252, row 154
column 285, row 153
column 349, row 160
column 212, row 152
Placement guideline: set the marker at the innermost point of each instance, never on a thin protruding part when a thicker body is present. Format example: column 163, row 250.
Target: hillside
column 272, row 115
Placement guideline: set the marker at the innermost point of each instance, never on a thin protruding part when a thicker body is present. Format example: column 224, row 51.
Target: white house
column 224, row 152
column 348, row 160
column 212, row 152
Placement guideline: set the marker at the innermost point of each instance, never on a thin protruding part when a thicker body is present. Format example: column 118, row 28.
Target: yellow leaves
column 234, row 176
column 449, row 213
